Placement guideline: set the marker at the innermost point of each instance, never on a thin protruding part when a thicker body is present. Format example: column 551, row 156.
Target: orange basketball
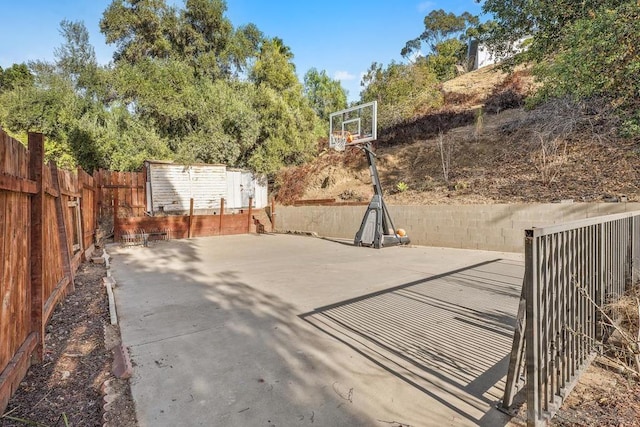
column 349, row 137
column 400, row 232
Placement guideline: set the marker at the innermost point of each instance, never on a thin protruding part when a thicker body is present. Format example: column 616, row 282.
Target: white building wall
column 482, row 56
column 242, row 185
column 172, row 186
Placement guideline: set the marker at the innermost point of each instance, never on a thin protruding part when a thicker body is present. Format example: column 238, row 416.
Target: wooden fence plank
column 63, row 225
column 5, row 286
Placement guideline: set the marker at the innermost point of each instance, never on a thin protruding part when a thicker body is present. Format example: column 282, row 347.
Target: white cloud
column 426, row 5
column 343, row 75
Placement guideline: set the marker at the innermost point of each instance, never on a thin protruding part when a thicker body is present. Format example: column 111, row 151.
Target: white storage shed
column 170, row 187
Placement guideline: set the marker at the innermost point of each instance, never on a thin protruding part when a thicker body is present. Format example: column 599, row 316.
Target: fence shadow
column 448, row 335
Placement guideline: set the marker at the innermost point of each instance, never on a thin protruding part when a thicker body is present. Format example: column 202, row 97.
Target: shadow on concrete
column 448, row 335
column 346, row 242
column 221, row 351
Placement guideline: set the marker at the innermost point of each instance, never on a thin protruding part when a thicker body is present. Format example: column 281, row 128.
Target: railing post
column 517, row 352
column 600, row 281
column 632, row 251
column 532, row 331
column 36, row 167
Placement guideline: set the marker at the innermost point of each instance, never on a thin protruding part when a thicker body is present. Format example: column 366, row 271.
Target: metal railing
column 572, row 271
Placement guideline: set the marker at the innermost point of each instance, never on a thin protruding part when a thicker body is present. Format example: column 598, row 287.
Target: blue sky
column 341, row 37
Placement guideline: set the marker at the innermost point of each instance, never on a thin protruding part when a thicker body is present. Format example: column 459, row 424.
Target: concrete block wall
column 488, row 227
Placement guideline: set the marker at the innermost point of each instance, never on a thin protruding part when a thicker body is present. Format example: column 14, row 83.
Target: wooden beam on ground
column 313, row 202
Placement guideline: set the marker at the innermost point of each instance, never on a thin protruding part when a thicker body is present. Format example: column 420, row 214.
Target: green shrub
column 402, row 186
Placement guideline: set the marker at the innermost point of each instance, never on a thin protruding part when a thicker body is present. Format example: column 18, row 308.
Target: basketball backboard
column 353, row 125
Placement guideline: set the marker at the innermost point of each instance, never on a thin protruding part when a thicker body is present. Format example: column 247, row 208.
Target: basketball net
column 340, row 139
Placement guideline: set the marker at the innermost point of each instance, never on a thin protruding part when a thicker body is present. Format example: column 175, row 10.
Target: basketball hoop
column 353, row 126
column 338, row 140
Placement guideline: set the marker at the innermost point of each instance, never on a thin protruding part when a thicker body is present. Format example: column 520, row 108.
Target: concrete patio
column 280, row 330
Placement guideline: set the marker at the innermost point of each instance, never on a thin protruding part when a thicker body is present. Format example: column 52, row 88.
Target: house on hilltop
column 480, row 55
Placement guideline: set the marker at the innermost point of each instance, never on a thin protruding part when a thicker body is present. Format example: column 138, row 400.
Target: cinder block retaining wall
column 486, row 227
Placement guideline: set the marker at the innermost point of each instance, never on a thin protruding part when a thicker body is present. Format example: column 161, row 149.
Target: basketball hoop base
column 375, row 222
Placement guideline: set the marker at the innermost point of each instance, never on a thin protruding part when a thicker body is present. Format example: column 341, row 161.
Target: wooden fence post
column 97, row 181
column 190, row 233
column 221, row 213
column 273, row 215
column 116, row 230
column 36, row 167
column 249, row 215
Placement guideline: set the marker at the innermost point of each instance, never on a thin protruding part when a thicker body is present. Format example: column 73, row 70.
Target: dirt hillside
column 483, row 146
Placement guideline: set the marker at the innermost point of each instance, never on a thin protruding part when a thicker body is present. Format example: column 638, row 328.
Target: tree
column 446, row 57
column 227, row 127
column 282, row 48
column 173, row 92
column 18, row 75
column 444, row 35
column 288, row 124
column 542, row 19
column 245, row 46
column 76, row 54
column 140, row 29
column 597, row 58
column 402, row 90
column 325, row 94
column 273, row 66
column 199, row 34
column 287, row 129
column 47, row 105
column 440, row 26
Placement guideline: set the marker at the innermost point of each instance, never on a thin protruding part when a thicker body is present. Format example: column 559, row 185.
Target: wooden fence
column 128, row 188
column 121, row 203
column 47, row 221
column 183, row 226
column 572, row 271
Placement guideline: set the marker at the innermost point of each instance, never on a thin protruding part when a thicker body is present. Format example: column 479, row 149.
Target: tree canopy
column 584, row 50
column 440, row 26
column 402, row 90
column 325, row 94
column 184, row 84
column 543, row 19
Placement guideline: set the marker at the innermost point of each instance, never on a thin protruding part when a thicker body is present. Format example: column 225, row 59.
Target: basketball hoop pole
column 357, row 126
column 376, row 223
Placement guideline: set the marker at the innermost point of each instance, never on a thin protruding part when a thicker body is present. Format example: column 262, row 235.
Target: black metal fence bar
column 571, row 271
